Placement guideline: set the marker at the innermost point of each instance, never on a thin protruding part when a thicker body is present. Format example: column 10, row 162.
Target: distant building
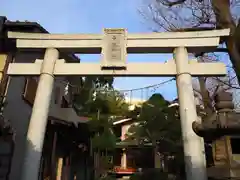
column 128, row 157
column 133, row 102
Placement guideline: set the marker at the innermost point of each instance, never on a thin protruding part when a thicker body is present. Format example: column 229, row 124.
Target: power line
column 147, row 87
column 123, row 91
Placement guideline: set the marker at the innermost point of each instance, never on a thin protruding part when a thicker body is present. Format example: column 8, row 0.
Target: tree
column 88, row 86
column 205, row 88
column 192, row 15
column 96, row 98
column 160, row 125
column 154, row 122
column 103, row 109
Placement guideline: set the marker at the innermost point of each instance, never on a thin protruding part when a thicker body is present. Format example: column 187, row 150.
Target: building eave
column 122, row 121
column 33, row 27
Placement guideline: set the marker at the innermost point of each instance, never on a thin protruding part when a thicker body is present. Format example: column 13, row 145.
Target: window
column 5, row 59
column 30, row 90
column 235, row 145
column 3, row 70
column 56, row 95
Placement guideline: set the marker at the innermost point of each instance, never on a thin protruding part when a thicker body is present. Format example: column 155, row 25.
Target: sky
column 91, row 16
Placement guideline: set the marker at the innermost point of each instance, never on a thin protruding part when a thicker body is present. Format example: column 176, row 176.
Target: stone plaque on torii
column 114, row 44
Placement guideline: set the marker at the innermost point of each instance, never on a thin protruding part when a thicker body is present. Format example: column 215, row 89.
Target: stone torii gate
column 114, row 44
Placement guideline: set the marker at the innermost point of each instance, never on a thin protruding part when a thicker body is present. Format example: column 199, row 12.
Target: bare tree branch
column 199, row 15
column 172, row 3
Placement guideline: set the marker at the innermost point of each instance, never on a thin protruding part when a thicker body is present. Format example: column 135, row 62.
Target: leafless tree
column 192, row 15
column 205, row 88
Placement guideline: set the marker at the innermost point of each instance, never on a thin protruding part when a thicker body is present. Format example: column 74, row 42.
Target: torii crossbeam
column 131, row 69
column 114, row 44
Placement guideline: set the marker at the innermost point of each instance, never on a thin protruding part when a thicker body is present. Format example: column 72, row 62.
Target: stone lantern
column 217, row 129
column 224, row 121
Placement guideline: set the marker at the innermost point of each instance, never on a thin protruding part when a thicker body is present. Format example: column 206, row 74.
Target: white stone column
column 193, row 145
column 157, row 159
column 39, row 117
column 59, row 168
column 125, row 128
column 124, row 159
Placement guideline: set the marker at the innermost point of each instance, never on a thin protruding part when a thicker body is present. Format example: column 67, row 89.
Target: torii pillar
column 114, row 45
column 194, row 153
column 39, row 117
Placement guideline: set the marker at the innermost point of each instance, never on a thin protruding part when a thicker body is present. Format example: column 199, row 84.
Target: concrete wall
column 18, row 112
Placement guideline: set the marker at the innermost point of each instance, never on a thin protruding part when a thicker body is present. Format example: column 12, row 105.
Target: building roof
column 27, row 26
column 132, row 100
column 199, row 107
column 122, row 121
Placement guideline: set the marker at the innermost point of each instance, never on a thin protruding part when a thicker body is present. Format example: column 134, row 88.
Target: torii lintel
column 131, row 69
column 164, row 42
